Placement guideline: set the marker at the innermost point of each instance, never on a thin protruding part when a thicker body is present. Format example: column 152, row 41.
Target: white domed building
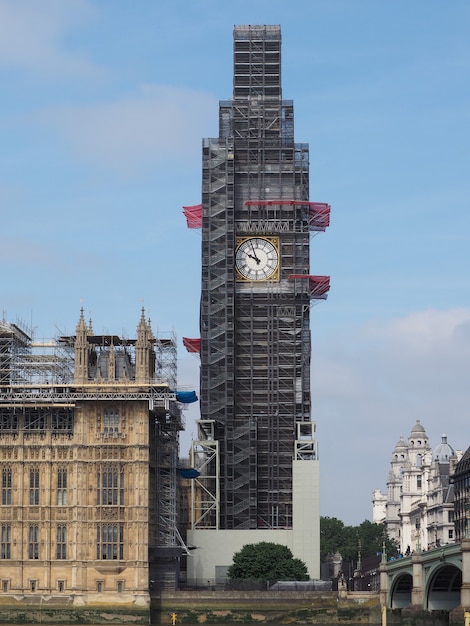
column 418, row 509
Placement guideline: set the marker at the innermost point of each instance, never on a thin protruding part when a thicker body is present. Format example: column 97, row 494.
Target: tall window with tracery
column 33, row 547
column 111, row 422
column 61, row 542
column 34, row 486
column 6, row 542
column 61, row 487
column 110, row 542
column 6, row 485
column 110, row 486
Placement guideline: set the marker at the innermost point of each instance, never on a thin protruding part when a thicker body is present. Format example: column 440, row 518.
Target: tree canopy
column 336, row 537
column 266, row 561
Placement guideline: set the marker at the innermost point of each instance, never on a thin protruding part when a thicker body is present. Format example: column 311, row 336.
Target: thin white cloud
column 26, row 252
column 425, row 333
column 44, row 259
column 32, row 38
column 426, row 354
column 156, row 125
column 388, row 375
column 341, row 378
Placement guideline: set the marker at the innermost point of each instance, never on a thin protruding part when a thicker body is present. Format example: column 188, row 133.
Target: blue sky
column 103, row 108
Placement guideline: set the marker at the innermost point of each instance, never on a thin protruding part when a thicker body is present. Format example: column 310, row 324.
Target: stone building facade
column 418, row 506
column 461, row 482
column 88, row 449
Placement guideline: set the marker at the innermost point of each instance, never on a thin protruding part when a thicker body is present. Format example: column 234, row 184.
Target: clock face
column 257, row 258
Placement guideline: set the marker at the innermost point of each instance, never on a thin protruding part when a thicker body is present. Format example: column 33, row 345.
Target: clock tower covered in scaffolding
column 256, row 449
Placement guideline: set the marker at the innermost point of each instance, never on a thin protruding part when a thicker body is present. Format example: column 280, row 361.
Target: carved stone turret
column 81, row 351
column 144, row 351
column 111, row 363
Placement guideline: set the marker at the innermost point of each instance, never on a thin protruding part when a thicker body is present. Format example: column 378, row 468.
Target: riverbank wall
column 68, row 609
column 223, row 607
column 279, row 607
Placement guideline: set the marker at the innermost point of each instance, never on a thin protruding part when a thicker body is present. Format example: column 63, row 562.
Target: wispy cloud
column 26, row 252
column 43, row 259
column 425, row 334
column 155, row 125
column 370, row 384
column 32, row 38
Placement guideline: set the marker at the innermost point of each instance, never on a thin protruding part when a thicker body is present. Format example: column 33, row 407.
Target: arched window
column 61, row 542
column 110, row 542
column 6, row 485
column 33, row 548
column 34, row 486
column 110, row 487
column 111, row 422
column 61, row 487
column 6, row 542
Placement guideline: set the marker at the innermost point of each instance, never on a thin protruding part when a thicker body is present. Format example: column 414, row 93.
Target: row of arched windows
column 109, row 486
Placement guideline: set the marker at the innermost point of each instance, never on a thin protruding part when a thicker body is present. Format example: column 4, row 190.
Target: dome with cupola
column 444, row 451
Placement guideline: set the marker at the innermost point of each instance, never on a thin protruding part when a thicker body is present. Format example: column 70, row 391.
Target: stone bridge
column 435, row 580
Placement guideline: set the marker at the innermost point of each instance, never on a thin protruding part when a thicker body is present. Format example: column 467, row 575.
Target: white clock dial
column 256, row 259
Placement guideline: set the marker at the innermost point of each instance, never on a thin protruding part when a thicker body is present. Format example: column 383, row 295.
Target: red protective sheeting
column 319, row 215
column 278, row 202
column 319, row 285
column 193, row 215
column 192, row 345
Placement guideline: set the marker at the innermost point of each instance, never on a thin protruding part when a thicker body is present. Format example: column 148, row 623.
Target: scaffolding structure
column 25, row 361
column 255, row 335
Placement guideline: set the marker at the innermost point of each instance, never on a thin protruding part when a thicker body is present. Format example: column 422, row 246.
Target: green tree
column 372, row 537
column 336, row 537
column 347, row 540
column 266, row 561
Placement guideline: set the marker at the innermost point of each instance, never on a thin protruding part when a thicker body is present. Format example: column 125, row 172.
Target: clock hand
column 254, row 252
column 255, row 258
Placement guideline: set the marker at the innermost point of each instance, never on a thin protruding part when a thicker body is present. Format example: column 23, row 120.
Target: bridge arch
column 443, row 588
column 400, row 591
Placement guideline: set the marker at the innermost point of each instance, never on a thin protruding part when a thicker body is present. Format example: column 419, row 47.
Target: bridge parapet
column 428, row 580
